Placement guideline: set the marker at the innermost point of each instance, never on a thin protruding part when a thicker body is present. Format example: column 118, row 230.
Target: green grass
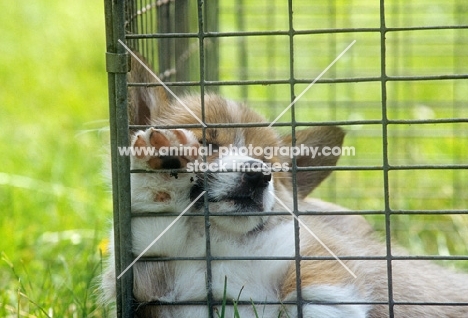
column 55, row 202
column 221, row 313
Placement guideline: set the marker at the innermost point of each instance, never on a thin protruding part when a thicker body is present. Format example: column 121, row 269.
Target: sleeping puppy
column 253, row 237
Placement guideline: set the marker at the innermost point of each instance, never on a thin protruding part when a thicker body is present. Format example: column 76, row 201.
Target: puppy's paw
column 156, row 149
column 161, row 149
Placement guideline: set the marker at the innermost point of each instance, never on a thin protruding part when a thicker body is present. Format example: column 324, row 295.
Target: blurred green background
column 55, row 205
column 55, row 202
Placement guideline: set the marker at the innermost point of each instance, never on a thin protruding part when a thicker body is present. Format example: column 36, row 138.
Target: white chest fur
column 252, row 278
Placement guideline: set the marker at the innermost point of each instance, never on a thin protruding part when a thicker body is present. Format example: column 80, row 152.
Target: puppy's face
column 234, row 192
column 238, row 180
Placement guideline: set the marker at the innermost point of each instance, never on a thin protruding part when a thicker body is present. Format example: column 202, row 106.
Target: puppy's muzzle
column 254, row 178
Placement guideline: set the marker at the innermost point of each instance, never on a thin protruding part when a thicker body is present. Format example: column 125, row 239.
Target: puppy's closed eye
column 214, row 146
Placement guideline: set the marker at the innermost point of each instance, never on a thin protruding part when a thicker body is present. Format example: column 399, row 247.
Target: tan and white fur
column 261, row 282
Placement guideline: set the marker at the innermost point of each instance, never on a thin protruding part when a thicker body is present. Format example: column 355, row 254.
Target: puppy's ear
column 145, row 102
column 317, row 138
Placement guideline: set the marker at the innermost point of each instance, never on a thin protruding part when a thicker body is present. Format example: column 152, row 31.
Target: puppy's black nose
column 254, row 174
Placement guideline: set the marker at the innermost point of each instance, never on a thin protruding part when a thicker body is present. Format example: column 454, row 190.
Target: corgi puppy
column 239, row 238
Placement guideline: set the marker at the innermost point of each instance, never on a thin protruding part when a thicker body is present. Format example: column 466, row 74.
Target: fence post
column 117, row 65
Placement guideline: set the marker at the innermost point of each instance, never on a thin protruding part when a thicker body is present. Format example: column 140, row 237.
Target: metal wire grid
column 150, row 28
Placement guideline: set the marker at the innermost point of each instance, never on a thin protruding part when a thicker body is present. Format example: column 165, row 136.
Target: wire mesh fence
column 400, row 93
